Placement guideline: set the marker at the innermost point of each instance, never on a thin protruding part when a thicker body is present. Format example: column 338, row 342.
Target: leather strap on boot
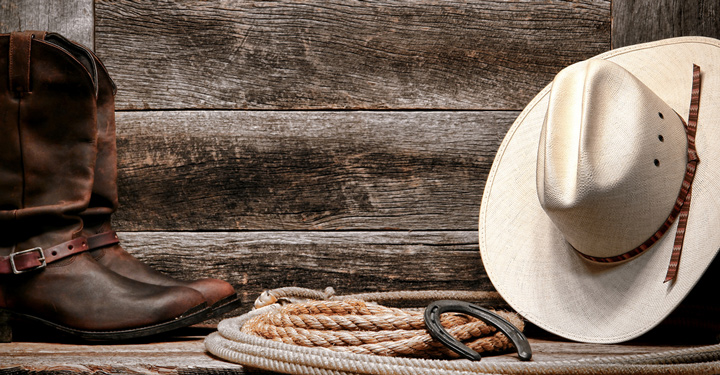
column 19, row 64
column 102, row 239
column 36, row 258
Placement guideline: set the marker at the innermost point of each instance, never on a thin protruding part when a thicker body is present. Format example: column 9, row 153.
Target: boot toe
column 177, row 302
column 214, row 290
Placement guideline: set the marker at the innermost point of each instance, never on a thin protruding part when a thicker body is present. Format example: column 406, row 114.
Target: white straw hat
column 579, row 216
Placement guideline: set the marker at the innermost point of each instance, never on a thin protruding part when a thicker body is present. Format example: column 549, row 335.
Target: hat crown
column 611, row 158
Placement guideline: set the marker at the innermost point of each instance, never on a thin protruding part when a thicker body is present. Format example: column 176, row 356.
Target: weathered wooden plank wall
column 345, row 260
column 278, row 128
column 343, row 54
column 371, row 119
column 640, row 21
column 317, row 170
column 74, row 19
column 317, row 143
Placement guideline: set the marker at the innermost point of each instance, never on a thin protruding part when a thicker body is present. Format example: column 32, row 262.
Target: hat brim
column 541, row 276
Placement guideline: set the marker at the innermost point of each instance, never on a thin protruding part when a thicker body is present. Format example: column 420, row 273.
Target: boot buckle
column 41, row 259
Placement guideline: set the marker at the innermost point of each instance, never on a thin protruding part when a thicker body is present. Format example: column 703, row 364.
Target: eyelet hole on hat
column 661, row 115
column 657, row 163
column 661, row 138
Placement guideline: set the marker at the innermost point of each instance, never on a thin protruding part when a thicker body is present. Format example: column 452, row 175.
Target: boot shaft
column 48, row 139
column 49, row 99
column 104, row 198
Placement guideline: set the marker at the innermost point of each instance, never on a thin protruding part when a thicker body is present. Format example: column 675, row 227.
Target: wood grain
column 350, row 262
column 171, row 355
column 275, row 170
column 639, row 21
column 73, row 19
column 425, row 54
column 188, row 357
column 361, row 201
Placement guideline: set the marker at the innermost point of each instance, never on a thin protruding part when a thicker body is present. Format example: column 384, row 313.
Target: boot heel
column 5, row 328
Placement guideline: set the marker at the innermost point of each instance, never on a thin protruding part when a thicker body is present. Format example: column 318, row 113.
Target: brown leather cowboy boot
column 47, row 159
column 103, row 241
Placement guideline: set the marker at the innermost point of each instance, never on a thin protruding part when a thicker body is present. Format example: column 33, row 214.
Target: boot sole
column 193, row 316
column 225, row 305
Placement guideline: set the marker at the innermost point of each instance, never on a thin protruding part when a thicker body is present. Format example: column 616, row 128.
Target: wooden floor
column 185, row 354
column 320, row 143
column 173, row 355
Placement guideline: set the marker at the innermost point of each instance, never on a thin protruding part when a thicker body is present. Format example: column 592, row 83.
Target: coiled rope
column 232, row 342
column 359, row 327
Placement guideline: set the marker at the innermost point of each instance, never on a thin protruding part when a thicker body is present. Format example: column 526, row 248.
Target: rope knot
column 292, row 295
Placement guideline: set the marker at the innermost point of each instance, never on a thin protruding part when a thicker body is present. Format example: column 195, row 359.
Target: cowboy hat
column 600, row 214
